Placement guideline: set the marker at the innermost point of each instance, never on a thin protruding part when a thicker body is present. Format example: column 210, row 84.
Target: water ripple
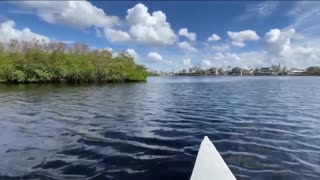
column 264, row 128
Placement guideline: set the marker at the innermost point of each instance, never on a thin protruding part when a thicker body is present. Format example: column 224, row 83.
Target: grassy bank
column 40, row 62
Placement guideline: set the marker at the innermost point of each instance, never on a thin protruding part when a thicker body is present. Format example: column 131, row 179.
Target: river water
column 264, row 128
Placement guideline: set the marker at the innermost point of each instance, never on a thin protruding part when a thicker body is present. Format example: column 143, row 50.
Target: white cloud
column 279, row 47
column 154, row 56
column 243, row 60
column 263, row 8
column 238, row 43
column 190, row 35
column 144, row 27
column 98, row 32
column 187, row 46
column 109, row 49
column 133, row 53
column 305, row 42
column 17, row 11
column 79, row 14
column 272, row 36
column 239, row 38
column 116, row 35
column 151, row 29
column 205, row 64
column 187, row 62
column 276, row 41
column 258, row 10
column 305, row 16
column 8, row 32
column 214, row 37
column 223, row 47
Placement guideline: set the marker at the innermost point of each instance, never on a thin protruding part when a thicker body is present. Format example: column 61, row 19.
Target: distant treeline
column 151, row 73
column 42, row 62
column 313, row 71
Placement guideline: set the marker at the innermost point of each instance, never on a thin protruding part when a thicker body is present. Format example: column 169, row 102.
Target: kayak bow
column 209, row 164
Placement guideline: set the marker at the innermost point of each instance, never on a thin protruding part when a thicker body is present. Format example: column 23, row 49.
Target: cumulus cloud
column 79, row 14
column 239, row 38
column 132, row 53
column 187, row 62
column 273, row 35
column 151, row 29
column 279, row 47
column 214, row 37
column 276, row 41
column 243, row 60
column 304, row 44
column 190, row 35
column 108, row 49
column 205, row 64
column 223, row 47
column 76, row 14
column 154, row 56
column 187, row 46
column 144, row 27
column 116, row 35
column 8, row 32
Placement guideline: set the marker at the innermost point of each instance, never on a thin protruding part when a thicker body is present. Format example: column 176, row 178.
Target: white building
column 296, row 72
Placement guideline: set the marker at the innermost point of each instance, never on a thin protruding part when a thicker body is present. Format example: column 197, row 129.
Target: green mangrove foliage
column 41, row 62
column 313, row 71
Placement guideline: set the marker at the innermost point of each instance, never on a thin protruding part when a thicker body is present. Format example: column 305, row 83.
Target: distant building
column 192, row 71
column 283, row 71
column 296, row 72
column 276, row 70
column 236, row 71
column 265, row 71
column 221, row 72
column 247, row 72
column 212, row 71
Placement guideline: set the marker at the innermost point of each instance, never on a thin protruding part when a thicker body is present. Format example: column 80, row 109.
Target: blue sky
column 174, row 35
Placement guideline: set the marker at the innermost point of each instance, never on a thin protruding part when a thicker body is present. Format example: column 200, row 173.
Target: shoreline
column 73, row 83
column 231, row 76
column 138, row 81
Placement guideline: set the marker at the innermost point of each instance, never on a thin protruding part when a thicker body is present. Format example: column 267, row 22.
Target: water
column 264, row 127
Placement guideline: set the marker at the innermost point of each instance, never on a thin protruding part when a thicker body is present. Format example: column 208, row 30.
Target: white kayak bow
column 209, row 164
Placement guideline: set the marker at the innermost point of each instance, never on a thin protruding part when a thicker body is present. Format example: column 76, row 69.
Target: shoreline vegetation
column 43, row 62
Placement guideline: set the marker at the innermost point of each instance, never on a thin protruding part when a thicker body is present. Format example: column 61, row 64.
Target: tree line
column 313, row 71
column 51, row 62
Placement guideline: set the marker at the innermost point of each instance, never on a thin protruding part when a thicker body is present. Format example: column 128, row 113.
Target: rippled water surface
column 264, row 127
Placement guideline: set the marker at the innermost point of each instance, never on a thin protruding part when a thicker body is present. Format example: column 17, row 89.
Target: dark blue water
column 264, row 127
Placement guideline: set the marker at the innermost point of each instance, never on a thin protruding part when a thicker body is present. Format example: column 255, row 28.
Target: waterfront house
column 275, row 70
column 247, row 72
column 236, row 71
column 296, row 72
column 265, row 71
column 212, row 71
column 221, row 72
